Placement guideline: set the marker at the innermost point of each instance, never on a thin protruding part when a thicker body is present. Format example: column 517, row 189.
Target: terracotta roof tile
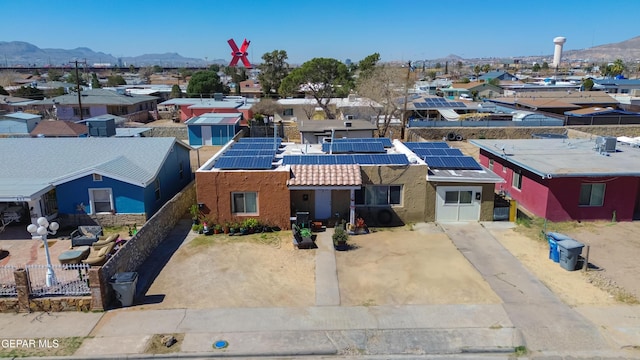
column 325, row 175
column 59, row 128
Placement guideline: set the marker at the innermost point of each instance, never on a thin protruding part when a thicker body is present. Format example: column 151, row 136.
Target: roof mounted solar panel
column 386, row 142
column 469, row 163
column 254, row 146
column 249, row 152
column 427, row 145
column 259, row 140
column 243, row 162
column 353, row 147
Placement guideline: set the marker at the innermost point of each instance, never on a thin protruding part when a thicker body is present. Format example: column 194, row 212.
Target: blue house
column 18, row 123
column 213, row 128
column 111, row 181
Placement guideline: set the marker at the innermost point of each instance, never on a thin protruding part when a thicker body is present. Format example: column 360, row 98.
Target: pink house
column 567, row 179
column 192, row 107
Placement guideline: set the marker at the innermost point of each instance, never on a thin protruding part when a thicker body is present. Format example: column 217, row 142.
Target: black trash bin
column 569, row 250
column 124, row 285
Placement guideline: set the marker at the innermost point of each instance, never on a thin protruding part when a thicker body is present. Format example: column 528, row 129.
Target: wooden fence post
column 23, row 288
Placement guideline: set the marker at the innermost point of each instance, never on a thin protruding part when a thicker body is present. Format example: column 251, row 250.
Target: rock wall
column 179, row 132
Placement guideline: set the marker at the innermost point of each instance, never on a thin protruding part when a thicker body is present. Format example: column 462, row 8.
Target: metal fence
column 71, row 280
column 7, row 281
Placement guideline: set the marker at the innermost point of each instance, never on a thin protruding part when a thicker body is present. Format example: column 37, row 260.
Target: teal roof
column 32, row 166
column 215, row 119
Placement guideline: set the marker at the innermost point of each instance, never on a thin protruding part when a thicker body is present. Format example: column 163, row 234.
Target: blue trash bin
column 553, row 239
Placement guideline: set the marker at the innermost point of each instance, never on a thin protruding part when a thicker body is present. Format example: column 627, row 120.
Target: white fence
column 70, row 280
column 7, row 281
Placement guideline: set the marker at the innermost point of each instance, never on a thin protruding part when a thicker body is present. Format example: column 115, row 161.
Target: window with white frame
column 244, row 203
column 97, row 177
column 516, row 181
column 379, row 195
column 458, row 197
column 101, row 200
column 591, row 194
column 287, row 112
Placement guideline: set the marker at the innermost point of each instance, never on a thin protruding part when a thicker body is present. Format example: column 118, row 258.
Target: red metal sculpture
column 239, row 54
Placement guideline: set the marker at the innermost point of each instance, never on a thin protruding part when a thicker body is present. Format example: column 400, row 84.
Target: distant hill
column 19, row 53
column 627, row 50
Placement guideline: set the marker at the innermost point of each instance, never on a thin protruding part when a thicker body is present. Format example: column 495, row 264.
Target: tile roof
column 325, row 175
column 59, row 128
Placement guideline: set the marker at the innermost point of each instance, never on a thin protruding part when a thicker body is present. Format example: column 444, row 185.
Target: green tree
column 536, row 67
column 613, row 69
column 438, row 65
column 367, row 65
column 545, row 66
column 95, row 83
column 176, row 92
column 273, row 69
column 116, row 80
column 3, row 91
column 214, row 67
column 322, row 78
column 494, row 82
column 486, row 68
column 587, row 84
column 446, row 67
column 29, row 92
column 477, row 70
column 132, row 68
column 204, row 83
column 157, row 69
column 54, row 74
column 71, row 78
column 55, row 92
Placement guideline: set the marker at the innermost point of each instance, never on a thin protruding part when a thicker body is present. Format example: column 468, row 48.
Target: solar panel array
column 438, row 103
column 344, row 159
column 386, row 142
column 244, row 162
column 249, row 154
column 437, row 152
column 354, row 147
column 452, row 162
column 427, row 145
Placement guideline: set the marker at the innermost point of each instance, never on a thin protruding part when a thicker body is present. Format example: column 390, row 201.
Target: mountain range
column 19, row 53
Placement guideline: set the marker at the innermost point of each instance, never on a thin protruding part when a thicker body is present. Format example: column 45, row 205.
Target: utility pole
column 406, row 95
column 78, row 86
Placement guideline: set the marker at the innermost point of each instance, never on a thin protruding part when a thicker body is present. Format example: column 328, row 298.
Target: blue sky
column 340, row 29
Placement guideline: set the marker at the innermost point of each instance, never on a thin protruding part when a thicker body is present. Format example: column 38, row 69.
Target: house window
column 157, row 188
column 244, row 203
column 97, row 177
column 379, row 195
column 592, row 194
column 85, row 111
column 491, row 164
column 516, row 181
column 101, row 200
column 457, row 197
column 287, row 112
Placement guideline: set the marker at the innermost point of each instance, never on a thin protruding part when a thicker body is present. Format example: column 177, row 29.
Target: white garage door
column 458, row 203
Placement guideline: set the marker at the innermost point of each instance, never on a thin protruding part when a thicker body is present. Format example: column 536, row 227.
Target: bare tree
column 384, row 86
column 309, row 109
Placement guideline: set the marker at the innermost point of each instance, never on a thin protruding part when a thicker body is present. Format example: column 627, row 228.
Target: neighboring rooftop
column 215, row 119
column 565, row 157
column 97, row 97
column 59, row 128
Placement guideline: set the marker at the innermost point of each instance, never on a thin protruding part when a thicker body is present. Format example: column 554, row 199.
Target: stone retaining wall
column 140, row 246
column 179, row 132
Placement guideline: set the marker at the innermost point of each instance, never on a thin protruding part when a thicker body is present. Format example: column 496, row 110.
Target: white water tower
column 557, row 53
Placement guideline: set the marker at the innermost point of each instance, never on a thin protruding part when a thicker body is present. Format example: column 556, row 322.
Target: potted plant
column 305, row 233
column 197, row 228
column 250, row 224
column 340, row 238
column 226, row 226
column 194, row 210
column 217, row 229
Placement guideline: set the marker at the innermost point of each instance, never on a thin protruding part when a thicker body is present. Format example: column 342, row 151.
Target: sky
column 339, row 29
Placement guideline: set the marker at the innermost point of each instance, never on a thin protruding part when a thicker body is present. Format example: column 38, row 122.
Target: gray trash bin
column 124, row 285
column 569, row 250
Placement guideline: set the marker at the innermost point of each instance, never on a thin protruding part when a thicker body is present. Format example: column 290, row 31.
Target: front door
column 323, row 204
column 206, row 135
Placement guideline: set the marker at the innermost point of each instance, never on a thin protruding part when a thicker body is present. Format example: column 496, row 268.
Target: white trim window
column 379, row 195
column 101, row 200
column 244, row 203
column 97, row 177
column 516, row 180
column 491, row 164
column 591, row 195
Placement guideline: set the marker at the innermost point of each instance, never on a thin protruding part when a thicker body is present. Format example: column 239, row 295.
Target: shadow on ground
column 151, row 268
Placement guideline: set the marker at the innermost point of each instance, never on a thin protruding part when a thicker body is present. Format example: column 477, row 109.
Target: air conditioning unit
column 606, row 143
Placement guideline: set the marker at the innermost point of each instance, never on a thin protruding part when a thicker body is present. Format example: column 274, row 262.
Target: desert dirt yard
column 396, row 266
